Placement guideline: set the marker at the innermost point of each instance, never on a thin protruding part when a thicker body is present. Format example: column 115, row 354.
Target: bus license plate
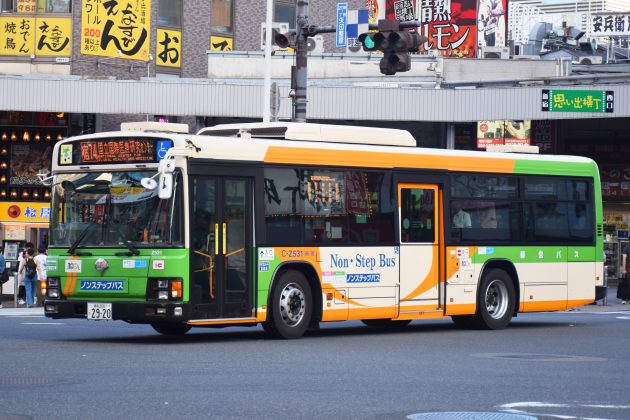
column 99, row 311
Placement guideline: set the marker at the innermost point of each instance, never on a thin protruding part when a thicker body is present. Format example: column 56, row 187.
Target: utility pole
column 299, row 39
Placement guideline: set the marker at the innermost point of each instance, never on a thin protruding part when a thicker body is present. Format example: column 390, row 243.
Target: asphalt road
column 551, row 365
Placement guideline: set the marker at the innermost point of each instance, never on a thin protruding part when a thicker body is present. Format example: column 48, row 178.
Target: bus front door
column 220, row 243
column 420, row 227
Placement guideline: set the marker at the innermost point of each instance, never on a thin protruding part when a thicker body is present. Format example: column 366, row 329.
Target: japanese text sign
column 610, row 24
column 169, row 48
column 116, row 28
column 578, row 100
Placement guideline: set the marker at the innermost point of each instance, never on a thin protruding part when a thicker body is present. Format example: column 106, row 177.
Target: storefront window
column 53, row 6
column 6, row 5
column 170, row 13
column 221, row 16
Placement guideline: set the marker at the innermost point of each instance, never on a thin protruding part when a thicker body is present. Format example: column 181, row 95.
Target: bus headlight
column 52, row 293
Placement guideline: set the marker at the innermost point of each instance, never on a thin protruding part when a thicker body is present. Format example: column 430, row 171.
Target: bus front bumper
column 136, row 312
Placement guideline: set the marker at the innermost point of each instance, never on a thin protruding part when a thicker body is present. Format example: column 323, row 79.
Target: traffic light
column 284, row 40
column 395, row 43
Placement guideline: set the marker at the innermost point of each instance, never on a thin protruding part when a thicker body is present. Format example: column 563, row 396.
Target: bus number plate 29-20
column 99, row 311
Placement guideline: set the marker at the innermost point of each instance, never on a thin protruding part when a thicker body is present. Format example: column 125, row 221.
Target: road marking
column 514, row 408
column 42, row 323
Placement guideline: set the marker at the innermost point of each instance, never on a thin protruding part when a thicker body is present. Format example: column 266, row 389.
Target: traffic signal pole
column 299, row 38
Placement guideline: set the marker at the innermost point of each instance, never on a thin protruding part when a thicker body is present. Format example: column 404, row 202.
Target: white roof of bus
column 314, row 132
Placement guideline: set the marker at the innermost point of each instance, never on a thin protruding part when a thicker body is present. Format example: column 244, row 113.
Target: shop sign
column 17, row 36
column 221, row 43
column 615, row 181
column 578, row 100
column 14, row 233
column 169, row 48
column 450, row 26
column 609, row 24
column 53, row 37
column 543, row 135
column 24, row 212
column 119, row 29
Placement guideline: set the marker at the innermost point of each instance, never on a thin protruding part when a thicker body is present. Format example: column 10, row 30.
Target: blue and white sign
column 135, row 264
column 263, row 267
column 363, row 278
column 161, row 148
column 342, row 20
column 358, row 23
column 111, row 285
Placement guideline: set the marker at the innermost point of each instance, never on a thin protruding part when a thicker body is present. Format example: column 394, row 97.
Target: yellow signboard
column 53, row 36
column 17, row 35
column 24, row 212
column 116, row 28
column 221, row 43
column 169, row 48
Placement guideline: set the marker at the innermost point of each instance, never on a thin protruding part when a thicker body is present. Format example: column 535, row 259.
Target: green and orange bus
column 292, row 224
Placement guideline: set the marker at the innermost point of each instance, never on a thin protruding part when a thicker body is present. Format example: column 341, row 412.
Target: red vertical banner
column 450, row 26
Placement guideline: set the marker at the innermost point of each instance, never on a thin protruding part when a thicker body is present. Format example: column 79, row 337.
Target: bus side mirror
column 165, row 180
column 165, row 183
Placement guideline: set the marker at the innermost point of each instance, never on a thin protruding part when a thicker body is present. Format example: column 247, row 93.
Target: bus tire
column 385, row 323
column 496, row 300
column 291, row 306
column 171, row 328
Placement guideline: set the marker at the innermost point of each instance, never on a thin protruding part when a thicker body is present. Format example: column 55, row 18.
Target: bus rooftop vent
column 314, row 132
column 512, row 148
column 148, row 126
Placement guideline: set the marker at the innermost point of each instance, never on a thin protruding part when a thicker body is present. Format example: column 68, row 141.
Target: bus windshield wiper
column 132, row 250
column 76, row 243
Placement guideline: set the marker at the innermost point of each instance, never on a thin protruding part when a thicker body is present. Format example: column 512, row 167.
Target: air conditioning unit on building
column 590, row 59
column 315, row 44
column 278, row 27
column 502, row 53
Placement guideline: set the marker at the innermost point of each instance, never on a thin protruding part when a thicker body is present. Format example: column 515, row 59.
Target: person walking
column 30, row 268
column 42, row 273
column 623, row 288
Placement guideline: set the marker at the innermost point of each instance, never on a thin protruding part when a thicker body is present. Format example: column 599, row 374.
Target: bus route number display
column 115, row 150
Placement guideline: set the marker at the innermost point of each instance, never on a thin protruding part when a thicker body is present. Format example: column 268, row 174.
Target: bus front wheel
column 291, row 306
column 171, row 328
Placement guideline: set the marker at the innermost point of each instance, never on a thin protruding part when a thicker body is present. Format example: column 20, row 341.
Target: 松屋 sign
column 578, row 100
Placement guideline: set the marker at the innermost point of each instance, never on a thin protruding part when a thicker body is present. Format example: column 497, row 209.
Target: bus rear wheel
column 171, row 328
column 291, row 306
column 496, row 300
column 385, row 323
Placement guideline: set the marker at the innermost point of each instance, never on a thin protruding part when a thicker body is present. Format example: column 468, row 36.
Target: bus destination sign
column 114, row 150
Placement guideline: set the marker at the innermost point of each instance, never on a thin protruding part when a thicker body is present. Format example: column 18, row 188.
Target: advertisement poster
column 53, row 37
column 489, row 133
column 450, row 26
column 515, row 132
column 518, row 132
column 116, row 28
column 491, row 23
column 27, row 160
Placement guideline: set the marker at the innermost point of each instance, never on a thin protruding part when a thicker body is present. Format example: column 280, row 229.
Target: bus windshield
column 112, row 209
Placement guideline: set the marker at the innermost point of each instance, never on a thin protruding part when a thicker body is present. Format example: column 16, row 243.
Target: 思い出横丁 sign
column 578, row 100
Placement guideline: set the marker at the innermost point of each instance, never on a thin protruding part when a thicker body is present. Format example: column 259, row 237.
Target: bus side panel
column 356, row 283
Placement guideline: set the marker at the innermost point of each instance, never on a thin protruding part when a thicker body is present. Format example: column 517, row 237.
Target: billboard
column 491, row 23
column 450, row 25
column 503, row 132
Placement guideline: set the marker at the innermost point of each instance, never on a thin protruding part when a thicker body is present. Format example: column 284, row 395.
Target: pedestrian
column 623, row 288
column 42, row 273
column 4, row 274
column 30, row 269
column 20, row 277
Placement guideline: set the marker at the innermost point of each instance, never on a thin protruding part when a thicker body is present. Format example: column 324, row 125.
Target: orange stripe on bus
column 309, row 156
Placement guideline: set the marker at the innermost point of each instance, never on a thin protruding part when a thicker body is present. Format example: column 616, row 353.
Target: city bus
column 289, row 225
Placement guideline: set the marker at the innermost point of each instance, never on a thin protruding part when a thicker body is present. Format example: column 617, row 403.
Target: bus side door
column 420, row 232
